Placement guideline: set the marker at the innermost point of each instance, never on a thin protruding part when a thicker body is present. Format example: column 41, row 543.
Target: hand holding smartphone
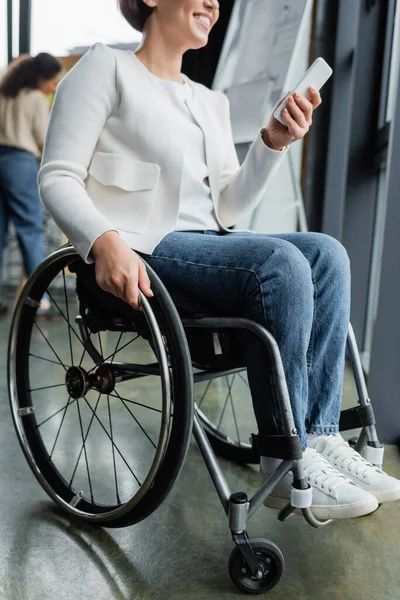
column 316, row 76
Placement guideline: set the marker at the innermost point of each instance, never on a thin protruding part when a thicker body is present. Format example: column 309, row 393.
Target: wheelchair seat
column 188, row 306
column 209, row 348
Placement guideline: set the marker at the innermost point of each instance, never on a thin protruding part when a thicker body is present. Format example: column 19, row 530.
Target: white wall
column 58, row 25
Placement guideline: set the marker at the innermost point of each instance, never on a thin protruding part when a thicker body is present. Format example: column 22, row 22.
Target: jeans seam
column 310, row 353
column 198, row 264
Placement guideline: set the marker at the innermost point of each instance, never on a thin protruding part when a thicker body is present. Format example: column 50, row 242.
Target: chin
column 198, row 42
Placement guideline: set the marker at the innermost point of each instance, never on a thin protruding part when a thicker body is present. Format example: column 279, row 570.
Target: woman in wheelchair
column 138, row 156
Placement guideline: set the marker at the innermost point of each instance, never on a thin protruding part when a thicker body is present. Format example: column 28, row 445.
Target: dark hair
column 136, row 12
column 28, row 73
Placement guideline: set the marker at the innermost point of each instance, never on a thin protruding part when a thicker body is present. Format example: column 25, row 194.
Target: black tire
column 271, row 561
column 170, row 456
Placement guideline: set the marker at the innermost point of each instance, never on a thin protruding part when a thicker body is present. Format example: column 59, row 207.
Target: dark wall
column 362, row 181
column 323, row 44
column 340, row 176
column 384, row 374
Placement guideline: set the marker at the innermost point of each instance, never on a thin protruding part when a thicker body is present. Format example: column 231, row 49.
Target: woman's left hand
column 298, row 120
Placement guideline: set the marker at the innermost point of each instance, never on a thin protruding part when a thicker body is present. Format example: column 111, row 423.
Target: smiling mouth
column 204, row 26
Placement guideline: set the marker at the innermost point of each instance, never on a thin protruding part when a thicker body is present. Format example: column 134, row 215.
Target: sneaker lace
column 321, row 473
column 349, row 459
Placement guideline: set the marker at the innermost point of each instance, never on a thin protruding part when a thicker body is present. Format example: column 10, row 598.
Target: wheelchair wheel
column 271, row 563
column 104, row 417
column 225, row 409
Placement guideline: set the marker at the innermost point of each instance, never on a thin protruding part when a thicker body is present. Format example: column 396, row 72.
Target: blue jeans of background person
column 298, row 286
column 20, row 204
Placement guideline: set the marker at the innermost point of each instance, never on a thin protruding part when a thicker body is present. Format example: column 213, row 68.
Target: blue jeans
column 20, row 204
column 296, row 285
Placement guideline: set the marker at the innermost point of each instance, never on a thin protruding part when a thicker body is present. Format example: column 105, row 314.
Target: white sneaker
column 334, row 496
column 349, row 462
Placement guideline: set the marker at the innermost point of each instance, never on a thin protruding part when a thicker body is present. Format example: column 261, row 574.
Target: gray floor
column 181, row 551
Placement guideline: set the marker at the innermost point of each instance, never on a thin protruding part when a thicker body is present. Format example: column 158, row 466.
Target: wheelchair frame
column 237, row 506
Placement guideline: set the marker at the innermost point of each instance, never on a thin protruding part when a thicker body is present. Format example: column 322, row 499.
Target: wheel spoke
column 112, row 441
column 113, row 353
column 84, row 438
column 46, row 359
column 65, row 318
column 225, row 405
column 113, row 452
column 137, row 403
column 131, row 413
column 116, row 350
column 233, row 410
column 67, row 306
column 51, row 347
column 204, row 395
column 84, row 350
column 46, row 387
column 100, row 346
column 61, row 424
column 244, row 380
column 54, row 414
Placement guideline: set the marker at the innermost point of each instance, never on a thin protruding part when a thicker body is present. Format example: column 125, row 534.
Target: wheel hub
column 78, row 381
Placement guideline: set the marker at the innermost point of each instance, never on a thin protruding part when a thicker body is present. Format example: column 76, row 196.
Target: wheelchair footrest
column 359, row 416
column 277, row 446
column 301, row 498
column 374, row 455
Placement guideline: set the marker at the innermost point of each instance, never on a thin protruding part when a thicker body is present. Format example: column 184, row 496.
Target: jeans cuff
column 322, row 429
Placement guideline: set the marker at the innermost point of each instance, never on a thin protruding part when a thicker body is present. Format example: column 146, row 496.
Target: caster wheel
column 272, row 566
column 352, row 442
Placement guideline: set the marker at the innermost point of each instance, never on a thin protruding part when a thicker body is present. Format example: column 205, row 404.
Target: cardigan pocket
column 123, row 189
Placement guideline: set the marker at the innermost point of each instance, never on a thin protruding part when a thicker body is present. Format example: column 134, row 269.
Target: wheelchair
column 105, row 398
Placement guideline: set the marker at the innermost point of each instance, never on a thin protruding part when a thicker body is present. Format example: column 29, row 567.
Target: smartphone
column 317, row 75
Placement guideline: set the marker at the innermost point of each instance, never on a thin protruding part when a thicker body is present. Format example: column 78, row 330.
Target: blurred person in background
column 15, row 61
column 24, row 116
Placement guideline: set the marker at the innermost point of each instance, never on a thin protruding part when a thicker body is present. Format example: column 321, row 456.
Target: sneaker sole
column 386, row 496
column 381, row 496
column 346, row 511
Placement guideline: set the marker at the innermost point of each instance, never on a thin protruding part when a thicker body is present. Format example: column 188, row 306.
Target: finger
column 297, row 114
column 116, row 291
column 132, row 297
column 315, row 97
column 144, row 281
column 107, row 286
column 294, row 130
column 116, row 285
column 281, row 101
column 131, row 292
column 305, row 106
